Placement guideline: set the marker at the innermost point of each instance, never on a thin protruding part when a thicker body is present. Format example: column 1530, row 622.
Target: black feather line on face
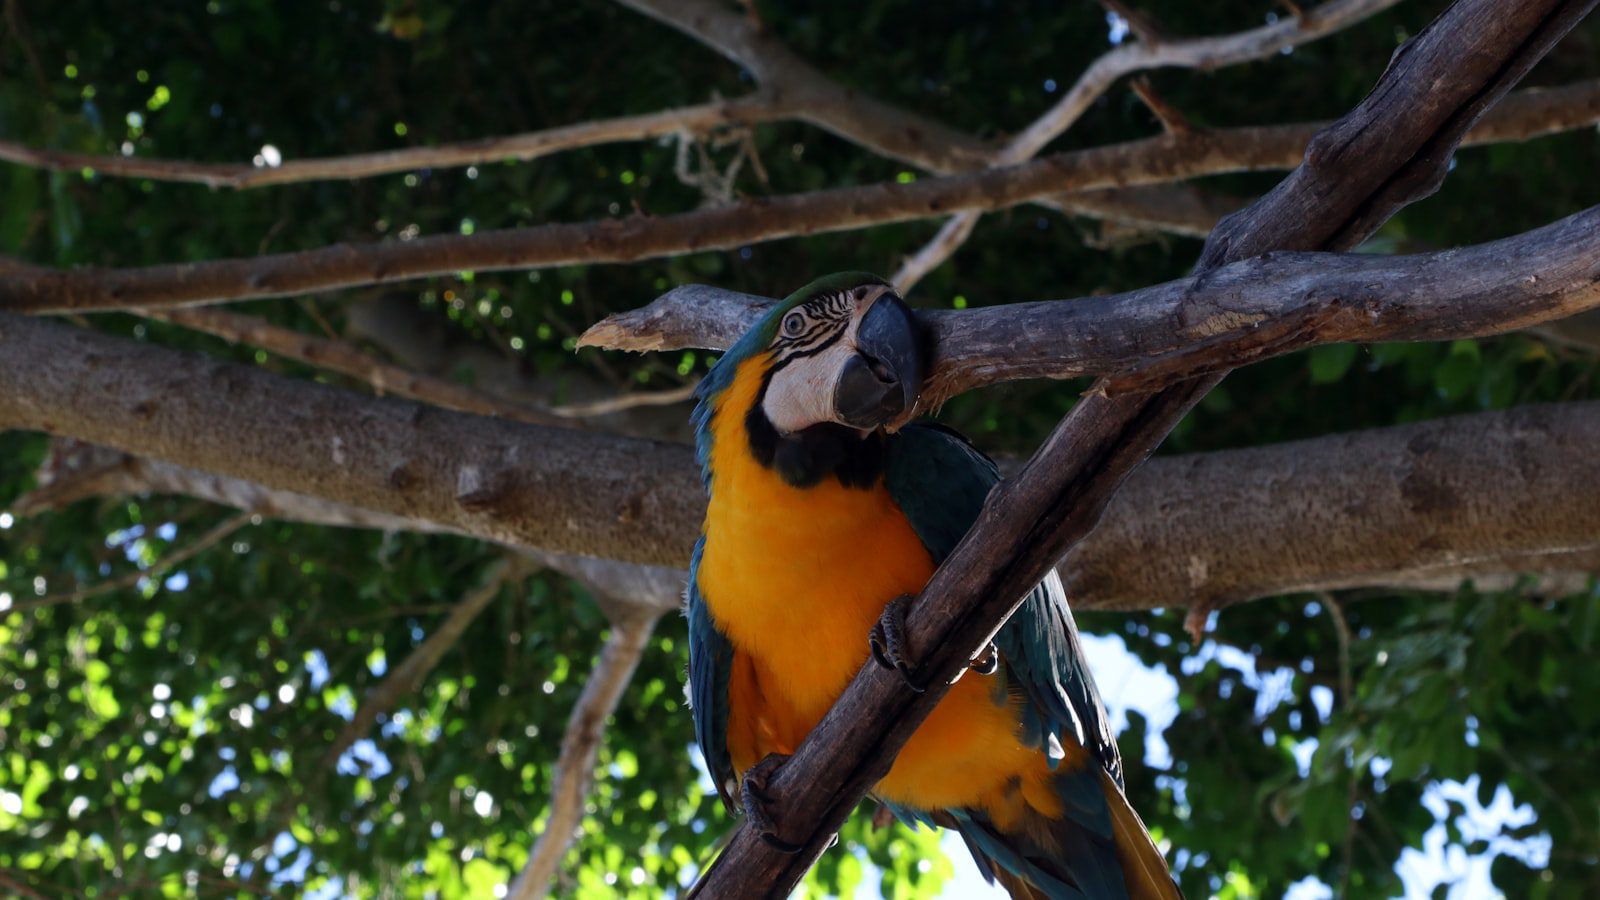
column 828, row 314
column 805, row 458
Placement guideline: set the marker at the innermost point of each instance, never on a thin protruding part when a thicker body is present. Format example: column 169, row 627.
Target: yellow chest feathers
column 795, row 577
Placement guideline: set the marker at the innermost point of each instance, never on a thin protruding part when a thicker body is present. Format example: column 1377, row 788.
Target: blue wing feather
column 710, row 664
column 940, row 482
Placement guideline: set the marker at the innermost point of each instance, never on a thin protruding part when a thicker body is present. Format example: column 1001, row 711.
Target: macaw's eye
column 793, row 324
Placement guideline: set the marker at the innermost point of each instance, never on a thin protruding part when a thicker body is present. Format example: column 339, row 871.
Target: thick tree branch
column 532, row 145
column 1148, row 161
column 574, row 770
column 1484, row 496
column 1221, row 318
column 74, row 471
column 558, row 488
column 1388, row 154
column 1419, row 506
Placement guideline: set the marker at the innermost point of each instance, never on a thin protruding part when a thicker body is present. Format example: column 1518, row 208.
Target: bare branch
column 338, row 356
column 156, row 570
column 1221, row 318
column 641, row 237
column 1177, row 209
column 407, row 677
column 624, row 402
column 1205, row 54
column 943, row 245
column 74, row 471
column 1172, row 121
column 413, row 337
column 1416, row 507
column 562, row 489
column 574, row 770
column 1148, row 161
column 758, row 107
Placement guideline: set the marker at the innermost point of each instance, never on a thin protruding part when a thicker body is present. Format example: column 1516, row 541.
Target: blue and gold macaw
column 819, row 522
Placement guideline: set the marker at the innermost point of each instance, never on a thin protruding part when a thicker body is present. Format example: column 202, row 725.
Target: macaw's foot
column 987, row 662
column 754, row 793
column 892, row 650
column 889, row 645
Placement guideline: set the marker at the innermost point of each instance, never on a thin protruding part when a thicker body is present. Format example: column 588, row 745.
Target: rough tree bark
column 1422, row 506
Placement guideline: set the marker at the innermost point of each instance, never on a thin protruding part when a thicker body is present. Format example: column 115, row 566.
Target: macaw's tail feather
column 1097, row 849
column 1144, row 869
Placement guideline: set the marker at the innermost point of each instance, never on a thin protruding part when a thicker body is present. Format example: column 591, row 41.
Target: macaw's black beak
column 881, row 382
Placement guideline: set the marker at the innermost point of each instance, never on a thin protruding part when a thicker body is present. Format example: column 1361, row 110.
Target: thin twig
column 1341, row 630
column 624, row 402
column 405, row 678
column 1151, row 52
column 1347, row 693
column 344, row 358
column 1172, row 121
column 574, row 769
column 157, row 569
column 758, row 107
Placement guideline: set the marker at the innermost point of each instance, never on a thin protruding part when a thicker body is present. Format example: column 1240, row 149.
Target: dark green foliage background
column 218, row 80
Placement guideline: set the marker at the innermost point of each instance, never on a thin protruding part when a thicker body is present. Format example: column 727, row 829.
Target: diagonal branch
column 1143, row 162
column 157, row 569
column 884, row 129
column 574, row 770
column 1382, row 155
column 758, row 107
column 407, row 677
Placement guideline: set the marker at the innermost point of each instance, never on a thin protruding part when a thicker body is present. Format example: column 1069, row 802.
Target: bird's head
column 832, row 363
column 843, row 350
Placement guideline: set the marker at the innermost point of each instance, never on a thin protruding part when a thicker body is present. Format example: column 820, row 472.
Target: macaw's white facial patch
column 811, row 349
column 801, row 394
